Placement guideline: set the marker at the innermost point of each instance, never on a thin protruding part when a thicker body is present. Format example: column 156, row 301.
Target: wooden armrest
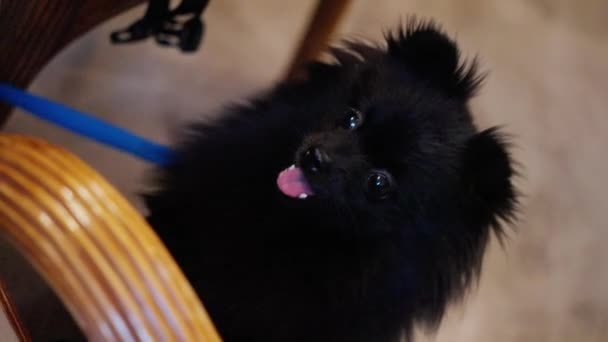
column 94, row 249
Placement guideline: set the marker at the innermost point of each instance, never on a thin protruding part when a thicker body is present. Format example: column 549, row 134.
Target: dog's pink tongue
column 292, row 183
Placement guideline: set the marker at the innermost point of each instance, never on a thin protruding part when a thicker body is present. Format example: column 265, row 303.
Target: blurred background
column 547, row 85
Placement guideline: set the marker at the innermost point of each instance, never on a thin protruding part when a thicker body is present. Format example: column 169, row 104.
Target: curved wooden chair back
column 93, row 248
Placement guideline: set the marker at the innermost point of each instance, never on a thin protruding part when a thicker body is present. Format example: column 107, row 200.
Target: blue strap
column 86, row 125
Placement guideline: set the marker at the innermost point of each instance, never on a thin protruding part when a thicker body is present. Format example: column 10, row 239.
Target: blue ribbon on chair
column 86, row 125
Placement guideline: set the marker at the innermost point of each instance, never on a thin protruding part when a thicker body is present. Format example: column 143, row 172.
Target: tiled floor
column 548, row 85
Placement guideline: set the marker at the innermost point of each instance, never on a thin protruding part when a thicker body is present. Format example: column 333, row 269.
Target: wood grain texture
column 94, row 249
column 33, row 31
column 323, row 23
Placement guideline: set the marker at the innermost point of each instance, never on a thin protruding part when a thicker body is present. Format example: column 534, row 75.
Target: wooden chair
column 97, row 253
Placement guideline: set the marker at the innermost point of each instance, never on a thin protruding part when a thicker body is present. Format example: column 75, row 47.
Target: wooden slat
column 322, row 25
column 93, row 248
column 33, row 31
column 7, row 308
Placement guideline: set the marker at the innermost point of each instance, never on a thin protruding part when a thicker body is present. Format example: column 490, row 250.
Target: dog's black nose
column 314, row 159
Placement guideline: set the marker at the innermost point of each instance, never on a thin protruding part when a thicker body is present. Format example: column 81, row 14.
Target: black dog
column 349, row 206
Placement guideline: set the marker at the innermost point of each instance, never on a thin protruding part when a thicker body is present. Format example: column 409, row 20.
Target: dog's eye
column 379, row 185
column 353, row 119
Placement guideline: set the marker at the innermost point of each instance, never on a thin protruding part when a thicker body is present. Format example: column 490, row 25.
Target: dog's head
column 395, row 154
column 395, row 141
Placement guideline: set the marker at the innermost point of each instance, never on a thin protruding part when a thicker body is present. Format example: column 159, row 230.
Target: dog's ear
column 488, row 173
column 433, row 56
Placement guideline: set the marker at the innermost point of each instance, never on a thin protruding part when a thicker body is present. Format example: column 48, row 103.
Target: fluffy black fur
column 339, row 265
